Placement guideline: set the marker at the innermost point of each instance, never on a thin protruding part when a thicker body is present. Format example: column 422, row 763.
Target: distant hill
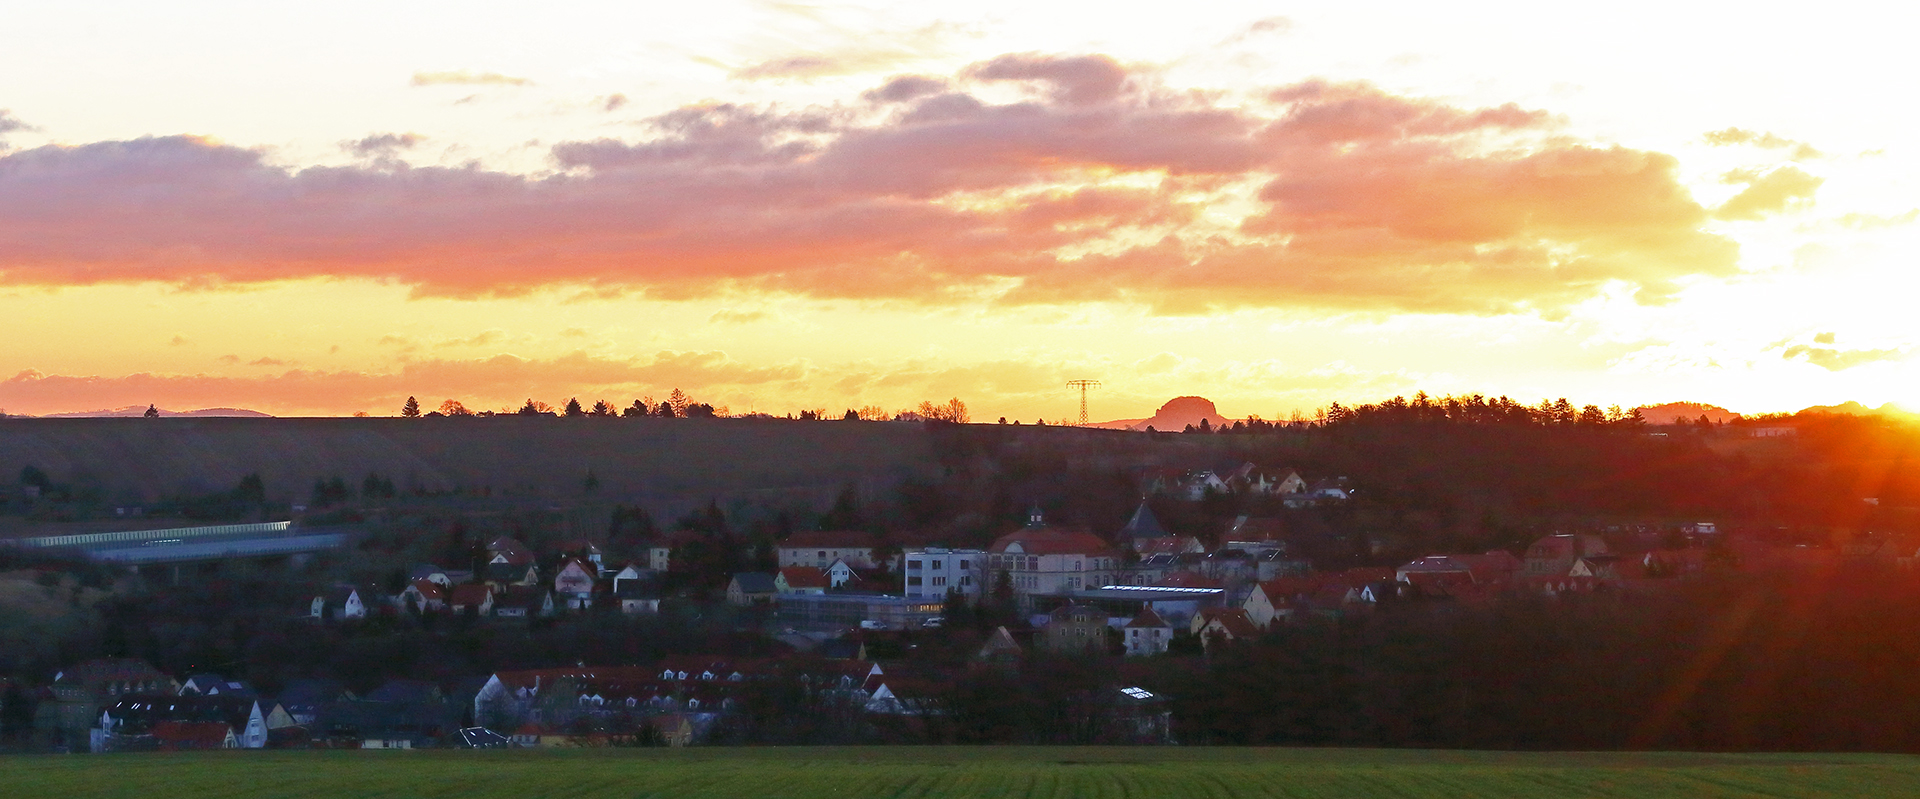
column 1677, row 412
column 1856, row 409
column 1173, row 416
column 141, row 410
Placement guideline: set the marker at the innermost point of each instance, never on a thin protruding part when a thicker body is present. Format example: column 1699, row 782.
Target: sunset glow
column 778, row 207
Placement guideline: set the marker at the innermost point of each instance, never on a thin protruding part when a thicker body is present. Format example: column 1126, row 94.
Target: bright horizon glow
column 1655, row 203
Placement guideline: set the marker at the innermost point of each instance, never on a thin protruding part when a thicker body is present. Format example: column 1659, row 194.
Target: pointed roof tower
column 1143, row 525
column 1034, row 517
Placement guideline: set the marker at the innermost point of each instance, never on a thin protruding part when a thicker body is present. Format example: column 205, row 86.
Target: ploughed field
column 937, row 772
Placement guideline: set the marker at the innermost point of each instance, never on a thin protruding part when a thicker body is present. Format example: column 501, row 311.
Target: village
column 842, row 614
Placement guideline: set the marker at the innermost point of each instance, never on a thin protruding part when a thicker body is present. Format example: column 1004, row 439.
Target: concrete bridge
column 184, row 545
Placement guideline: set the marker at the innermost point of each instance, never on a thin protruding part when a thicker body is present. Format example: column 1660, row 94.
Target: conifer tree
column 411, row 410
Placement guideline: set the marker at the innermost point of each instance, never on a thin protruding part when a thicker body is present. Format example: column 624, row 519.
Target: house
column 503, row 573
column 431, row 573
column 933, row 572
column 585, row 550
column 821, row 548
column 1039, row 559
column 800, row 580
column 214, row 685
column 1274, row 600
column 475, row 598
column 1075, row 629
column 1000, row 650
column 73, row 702
column 1198, row 483
column 424, row 596
column 1330, row 489
column 136, row 715
column 842, row 574
column 520, row 602
column 338, row 603
column 574, row 583
column 1256, row 535
column 633, row 574
column 1554, row 555
column 1220, row 626
column 1146, row 634
column 1267, row 482
column 305, row 700
column 1142, row 530
column 1435, row 572
column 751, row 588
column 184, row 736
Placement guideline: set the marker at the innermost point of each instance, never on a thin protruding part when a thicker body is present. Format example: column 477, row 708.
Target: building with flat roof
column 846, row 610
column 933, row 572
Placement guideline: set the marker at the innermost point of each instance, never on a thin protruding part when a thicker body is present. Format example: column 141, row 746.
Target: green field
column 804, row 773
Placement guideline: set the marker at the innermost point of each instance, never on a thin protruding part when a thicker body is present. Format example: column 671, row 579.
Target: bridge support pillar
column 176, row 574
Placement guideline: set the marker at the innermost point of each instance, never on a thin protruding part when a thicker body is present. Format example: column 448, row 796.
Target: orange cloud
column 1095, row 187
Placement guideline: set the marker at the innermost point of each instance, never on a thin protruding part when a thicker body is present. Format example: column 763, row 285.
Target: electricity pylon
column 1083, row 385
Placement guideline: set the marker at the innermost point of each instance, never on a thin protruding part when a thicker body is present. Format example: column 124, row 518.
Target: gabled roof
column 999, row 644
column 754, row 582
column 111, row 670
column 1143, row 525
column 1147, row 618
column 830, row 539
column 470, row 594
column 424, row 571
column 804, row 577
column 1257, row 528
column 429, row 589
column 506, row 544
column 1233, row 620
column 1051, row 541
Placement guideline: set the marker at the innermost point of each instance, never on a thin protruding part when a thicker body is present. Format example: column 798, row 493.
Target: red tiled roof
column 1233, row 620
column 191, row 734
column 1052, row 541
column 429, row 589
column 1147, row 618
column 470, row 594
column 804, row 577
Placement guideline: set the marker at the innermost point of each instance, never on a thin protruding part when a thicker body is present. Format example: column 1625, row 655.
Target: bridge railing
column 85, row 540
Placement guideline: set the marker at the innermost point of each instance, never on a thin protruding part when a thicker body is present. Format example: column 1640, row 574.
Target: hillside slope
column 141, row 460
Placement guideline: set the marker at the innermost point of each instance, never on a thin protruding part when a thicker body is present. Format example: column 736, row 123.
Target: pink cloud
column 1368, row 200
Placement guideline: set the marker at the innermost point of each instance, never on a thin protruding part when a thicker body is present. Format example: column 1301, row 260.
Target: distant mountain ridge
column 141, row 410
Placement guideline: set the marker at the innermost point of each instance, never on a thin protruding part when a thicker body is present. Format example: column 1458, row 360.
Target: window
column 966, row 579
column 939, row 581
column 914, row 579
column 915, row 564
column 966, row 565
column 936, row 564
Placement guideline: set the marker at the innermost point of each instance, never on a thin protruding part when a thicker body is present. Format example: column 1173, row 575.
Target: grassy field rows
column 938, row 773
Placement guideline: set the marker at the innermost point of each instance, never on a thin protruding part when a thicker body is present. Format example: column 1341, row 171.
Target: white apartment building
column 933, row 571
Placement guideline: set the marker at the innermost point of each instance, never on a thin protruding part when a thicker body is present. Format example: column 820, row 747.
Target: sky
column 325, row 208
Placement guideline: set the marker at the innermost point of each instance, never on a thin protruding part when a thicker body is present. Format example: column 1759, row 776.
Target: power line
column 1083, row 385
